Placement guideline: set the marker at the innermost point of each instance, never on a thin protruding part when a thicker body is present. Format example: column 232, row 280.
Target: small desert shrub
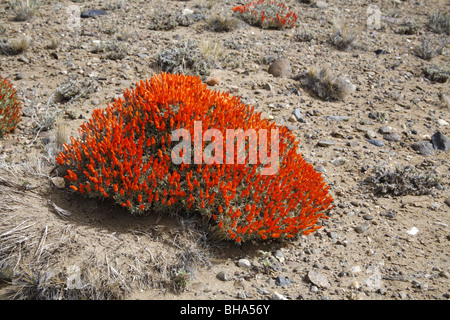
column 15, row 46
column 192, row 58
column 408, row 28
column 267, row 14
column 125, row 150
column 342, row 36
column 111, row 50
column 170, row 20
column 10, row 107
column 437, row 73
column 429, row 48
column 439, row 22
column 401, row 181
column 304, row 35
column 326, row 85
column 23, row 10
column 221, row 23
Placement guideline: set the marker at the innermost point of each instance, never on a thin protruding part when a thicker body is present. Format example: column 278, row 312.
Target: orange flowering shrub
column 125, row 152
column 267, row 14
column 10, row 107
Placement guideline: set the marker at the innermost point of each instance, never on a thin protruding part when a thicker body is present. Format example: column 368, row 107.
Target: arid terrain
column 386, row 241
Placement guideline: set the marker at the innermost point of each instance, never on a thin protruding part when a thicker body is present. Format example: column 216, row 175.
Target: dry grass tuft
column 326, row 85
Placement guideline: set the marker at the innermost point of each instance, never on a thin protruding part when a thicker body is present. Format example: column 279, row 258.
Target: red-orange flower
column 124, row 153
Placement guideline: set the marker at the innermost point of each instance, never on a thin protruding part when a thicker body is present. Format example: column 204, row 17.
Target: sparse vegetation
column 325, row 84
column 15, row 46
column 10, row 107
column 437, row 73
column 23, row 10
column 304, row 35
column 170, row 20
column 402, row 181
column 439, row 22
column 409, row 27
column 343, row 37
column 223, row 23
column 192, row 58
column 430, row 48
column 267, row 14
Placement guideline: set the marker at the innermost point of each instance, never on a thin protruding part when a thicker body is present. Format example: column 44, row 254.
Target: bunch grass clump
column 343, row 36
column 10, row 107
column 439, row 22
column 23, row 10
column 15, row 46
column 267, row 14
column 125, row 153
column 325, row 84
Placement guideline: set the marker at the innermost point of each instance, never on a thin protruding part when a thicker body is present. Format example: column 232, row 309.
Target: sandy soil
column 366, row 250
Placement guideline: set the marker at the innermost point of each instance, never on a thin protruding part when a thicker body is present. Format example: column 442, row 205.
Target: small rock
column 325, row 143
column 215, row 81
column 292, row 118
column 363, row 227
column 93, row 13
column 314, row 289
column 280, row 68
column 187, row 11
column 278, row 296
column 338, row 161
column 413, row 231
column 282, row 281
column 244, row 263
column 241, row 295
column 370, row 134
column 59, row 182
column 223, row 276
column 319, row 4
column 377, row 143
column 440, row 141
column 318, row 279
column 385, row 130
column 393, row 136
column 355, row 269
column 442, row 122
column 424, row 147
column 338, row 118
column 380, row 51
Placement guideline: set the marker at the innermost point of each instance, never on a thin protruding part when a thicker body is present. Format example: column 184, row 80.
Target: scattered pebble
column 377, row 143
column 338, row 118
column 424, row 147
column 363, row 227
column 282, row 281
column 244, row 263
column 223, row 276
column 413, row 231
column 393, row 137
column 318, row 279
column 278, row 296
column 93, row 13
column 325, row 143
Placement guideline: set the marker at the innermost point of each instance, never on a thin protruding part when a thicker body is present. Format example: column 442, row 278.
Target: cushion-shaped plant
column 267, row 14
column 10, row 107
column 131, row 152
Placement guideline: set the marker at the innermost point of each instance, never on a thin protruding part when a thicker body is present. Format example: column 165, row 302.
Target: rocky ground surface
column 377, row 244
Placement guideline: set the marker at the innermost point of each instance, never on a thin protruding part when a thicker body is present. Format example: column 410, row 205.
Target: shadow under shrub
column 125, row 153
